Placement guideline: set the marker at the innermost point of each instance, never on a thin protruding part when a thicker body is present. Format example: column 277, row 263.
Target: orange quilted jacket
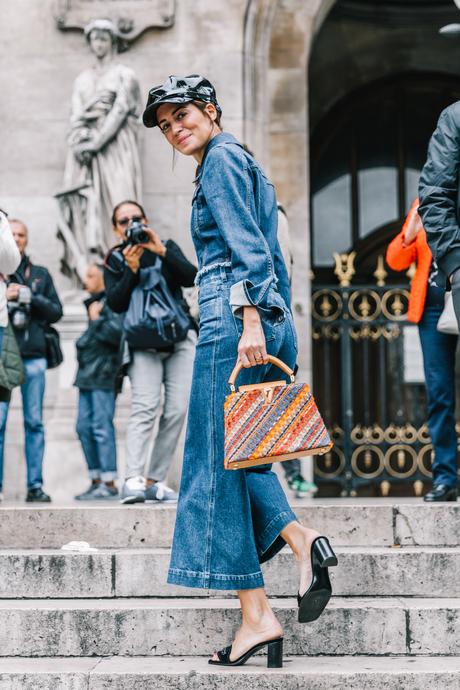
column 399, row 258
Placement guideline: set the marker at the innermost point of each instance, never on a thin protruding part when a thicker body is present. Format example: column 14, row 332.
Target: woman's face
column 187, row 128
column 125, row 215
column 100, row 42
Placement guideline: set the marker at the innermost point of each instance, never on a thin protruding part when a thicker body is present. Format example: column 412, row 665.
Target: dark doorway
column 366, row 157
column 380, row 75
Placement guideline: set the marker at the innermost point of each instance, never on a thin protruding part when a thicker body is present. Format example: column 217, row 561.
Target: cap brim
column 450, row 30
column 149, row 117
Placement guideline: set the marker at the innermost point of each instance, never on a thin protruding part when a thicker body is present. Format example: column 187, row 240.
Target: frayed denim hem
column 191, row 578
column 270, row 541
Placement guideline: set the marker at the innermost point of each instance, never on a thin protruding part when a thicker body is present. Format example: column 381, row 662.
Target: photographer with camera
column 143, row 278
column 33, row 304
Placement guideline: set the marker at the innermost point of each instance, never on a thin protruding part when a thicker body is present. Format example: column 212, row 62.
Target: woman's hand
column 413, row 228
column 132, row 255
column 251, row 348
column 154, row 244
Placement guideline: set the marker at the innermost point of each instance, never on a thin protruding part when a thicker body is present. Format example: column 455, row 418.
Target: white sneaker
column 160, row 492
column 133, row 491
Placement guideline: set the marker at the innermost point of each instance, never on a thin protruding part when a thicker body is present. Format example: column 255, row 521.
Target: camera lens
column 136, row 234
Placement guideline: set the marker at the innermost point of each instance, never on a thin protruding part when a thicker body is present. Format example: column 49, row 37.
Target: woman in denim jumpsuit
column 229, row 522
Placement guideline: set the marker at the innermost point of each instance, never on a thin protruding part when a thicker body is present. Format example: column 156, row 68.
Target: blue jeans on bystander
column 33, row 391
column 439, row 365
column 97, row 434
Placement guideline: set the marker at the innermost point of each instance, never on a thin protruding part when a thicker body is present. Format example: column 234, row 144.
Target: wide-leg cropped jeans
column 228, row 521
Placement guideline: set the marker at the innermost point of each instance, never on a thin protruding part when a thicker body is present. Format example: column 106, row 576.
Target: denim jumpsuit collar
column 222, row 138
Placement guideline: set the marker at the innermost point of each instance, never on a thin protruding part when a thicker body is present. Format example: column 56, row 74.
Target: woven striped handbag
column 271, row 421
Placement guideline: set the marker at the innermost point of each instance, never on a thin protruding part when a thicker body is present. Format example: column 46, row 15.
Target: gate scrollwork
column 376, row 417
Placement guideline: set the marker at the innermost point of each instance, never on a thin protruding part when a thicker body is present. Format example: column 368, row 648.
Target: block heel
column 323, row 553
column 274, row 656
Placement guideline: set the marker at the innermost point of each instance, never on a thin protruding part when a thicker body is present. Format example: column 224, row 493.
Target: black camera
column 19, row 309
column 136, row 234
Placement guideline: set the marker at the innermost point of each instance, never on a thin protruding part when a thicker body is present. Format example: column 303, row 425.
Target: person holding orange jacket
column 426, row 303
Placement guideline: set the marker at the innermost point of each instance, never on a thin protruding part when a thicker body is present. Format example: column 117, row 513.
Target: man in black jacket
column 32, row 304
column 439, row 210
column 150, row 370
column 98, row 364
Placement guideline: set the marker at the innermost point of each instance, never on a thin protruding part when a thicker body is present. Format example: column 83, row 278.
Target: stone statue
column 102, row 166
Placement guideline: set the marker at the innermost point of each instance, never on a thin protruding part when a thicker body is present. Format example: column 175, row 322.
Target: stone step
column 192, row 627
column 362, row 571
column 298, row 673
column 347, row 522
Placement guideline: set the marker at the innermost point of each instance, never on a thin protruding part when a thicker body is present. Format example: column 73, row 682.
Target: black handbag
column 155, row 319
column 54, row 356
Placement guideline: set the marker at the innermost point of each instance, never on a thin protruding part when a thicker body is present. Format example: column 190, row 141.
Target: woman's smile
column 183, row 138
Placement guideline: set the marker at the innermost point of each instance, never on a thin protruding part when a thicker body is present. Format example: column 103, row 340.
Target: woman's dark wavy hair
column 202, row 106
column 122, row 203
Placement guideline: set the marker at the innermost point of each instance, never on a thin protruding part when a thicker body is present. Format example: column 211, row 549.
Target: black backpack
column 155, row 319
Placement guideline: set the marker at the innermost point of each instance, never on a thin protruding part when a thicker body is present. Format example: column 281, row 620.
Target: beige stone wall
column 39, row 66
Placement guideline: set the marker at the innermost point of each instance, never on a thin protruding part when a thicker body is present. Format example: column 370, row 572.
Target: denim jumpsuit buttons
column 229, row 521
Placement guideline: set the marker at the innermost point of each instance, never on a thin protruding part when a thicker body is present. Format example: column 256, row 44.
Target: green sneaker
column 301, row 487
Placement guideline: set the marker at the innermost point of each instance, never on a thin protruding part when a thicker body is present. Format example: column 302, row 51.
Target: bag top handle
column 273, row 360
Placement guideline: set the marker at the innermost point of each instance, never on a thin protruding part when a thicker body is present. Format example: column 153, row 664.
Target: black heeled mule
column 274, row 654
column 314, row 601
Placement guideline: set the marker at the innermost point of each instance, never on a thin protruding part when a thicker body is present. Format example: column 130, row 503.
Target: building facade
column 296, row 80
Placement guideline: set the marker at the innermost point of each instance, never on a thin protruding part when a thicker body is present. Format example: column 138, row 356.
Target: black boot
column 441, row 492
column 37, row 495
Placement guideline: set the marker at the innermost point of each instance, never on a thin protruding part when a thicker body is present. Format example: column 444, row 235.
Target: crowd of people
column 160, row 374
column 140, row 325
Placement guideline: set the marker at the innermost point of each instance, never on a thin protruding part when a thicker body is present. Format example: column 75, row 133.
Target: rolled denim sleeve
column 227, row 185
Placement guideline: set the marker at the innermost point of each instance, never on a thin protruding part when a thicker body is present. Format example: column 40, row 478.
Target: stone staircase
column 72, row 621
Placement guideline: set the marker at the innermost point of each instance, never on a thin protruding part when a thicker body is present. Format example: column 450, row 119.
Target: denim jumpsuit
column 229, row 521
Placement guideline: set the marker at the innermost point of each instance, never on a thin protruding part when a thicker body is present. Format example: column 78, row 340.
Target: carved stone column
column 278, row 37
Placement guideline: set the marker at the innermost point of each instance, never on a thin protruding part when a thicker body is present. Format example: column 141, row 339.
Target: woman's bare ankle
column 259, row 622
column 300, row 539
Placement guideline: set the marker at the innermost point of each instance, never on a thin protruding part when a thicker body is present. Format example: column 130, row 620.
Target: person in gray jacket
column 439, row 210
column 439, row 197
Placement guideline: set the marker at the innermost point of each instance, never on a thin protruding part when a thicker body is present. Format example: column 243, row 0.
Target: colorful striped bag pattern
column 272, row 421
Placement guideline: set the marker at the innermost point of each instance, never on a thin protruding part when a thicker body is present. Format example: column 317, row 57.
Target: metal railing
column 375, row 413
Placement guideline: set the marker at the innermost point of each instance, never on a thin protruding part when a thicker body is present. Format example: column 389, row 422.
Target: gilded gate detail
column 375, row 416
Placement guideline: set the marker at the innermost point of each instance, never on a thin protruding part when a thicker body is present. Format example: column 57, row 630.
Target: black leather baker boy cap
column 178, row 90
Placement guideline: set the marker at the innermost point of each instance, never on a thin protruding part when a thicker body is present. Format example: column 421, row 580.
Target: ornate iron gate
column 373, row 405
